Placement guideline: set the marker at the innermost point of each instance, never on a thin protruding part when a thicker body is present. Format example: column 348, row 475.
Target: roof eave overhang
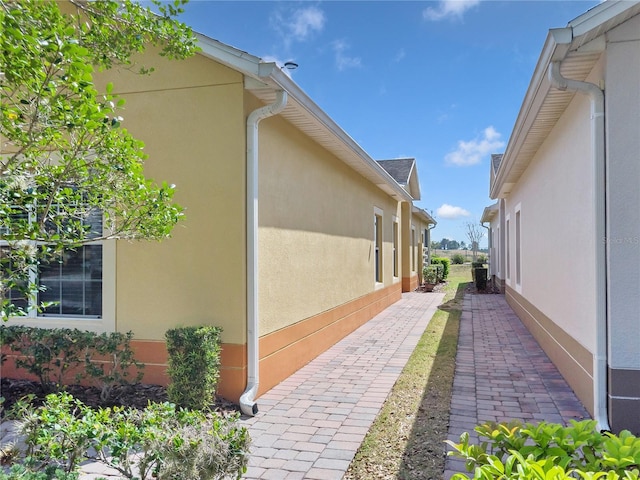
column 579, row 47
column 424, row 215
column 489, row 213
column 264, row 79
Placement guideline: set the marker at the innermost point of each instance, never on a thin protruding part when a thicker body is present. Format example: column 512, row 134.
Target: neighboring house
column 416, row 222
column 566, row 227
column 293, row 236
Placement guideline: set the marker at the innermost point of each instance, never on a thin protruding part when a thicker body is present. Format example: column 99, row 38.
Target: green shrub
column 482, row 259
column 445, row 265
column 457, row 259
column 526, row 451
column 48, row 354
column 430, row 274
column 51, row 353
column 20, row 472
column 194, row 365
column 116, row 364
column 159, row 442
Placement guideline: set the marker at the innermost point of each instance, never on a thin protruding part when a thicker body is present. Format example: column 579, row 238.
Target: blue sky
column 440, row 81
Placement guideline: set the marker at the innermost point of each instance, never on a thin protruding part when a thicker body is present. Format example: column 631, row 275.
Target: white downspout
column 596, row 96
column 247, row 399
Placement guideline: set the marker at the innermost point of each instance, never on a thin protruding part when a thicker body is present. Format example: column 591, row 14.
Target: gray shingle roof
column 496, row 158
column 399, row 168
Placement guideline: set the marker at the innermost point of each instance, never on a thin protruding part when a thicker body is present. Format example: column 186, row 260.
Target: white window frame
column 518, row 246
column 378, row 246
column 508, row 249
column 103, row 323
column 498, row 251
column 396, row 247
column 414, row 252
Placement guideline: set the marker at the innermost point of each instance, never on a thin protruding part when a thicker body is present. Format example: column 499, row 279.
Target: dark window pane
column 75, row 282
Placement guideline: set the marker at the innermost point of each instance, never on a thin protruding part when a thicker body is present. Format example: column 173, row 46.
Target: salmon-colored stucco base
column 409, row 284
column 281, row 353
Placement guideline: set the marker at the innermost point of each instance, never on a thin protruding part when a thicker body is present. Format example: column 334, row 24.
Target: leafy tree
column 66, row 163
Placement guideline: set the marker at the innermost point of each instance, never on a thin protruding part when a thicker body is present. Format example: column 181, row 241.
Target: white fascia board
column 600, row 15
column 424, row 214
column 269, row 73
column 536, row 92
column 558, row 44
column 229, row 56
column 489, row 213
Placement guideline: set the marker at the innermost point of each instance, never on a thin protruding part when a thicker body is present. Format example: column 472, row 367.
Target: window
column 498, row 250
column 518, row 240
column 414, row 256
column 508, row 245
column 395, row 246
column 377, row 242
column 74, row 282
column 71, row 283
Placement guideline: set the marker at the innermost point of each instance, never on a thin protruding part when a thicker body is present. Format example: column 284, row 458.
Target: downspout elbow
column 248, row 405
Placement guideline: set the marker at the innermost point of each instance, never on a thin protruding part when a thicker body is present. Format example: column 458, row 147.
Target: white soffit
column 544, row 105
column 313, row 122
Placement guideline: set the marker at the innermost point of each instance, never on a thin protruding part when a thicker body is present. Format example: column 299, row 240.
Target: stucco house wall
column 317, row 204
column 622, row 73
column 551, row 200
column 569, row 224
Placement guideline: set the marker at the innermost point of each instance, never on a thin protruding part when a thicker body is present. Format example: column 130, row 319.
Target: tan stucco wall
column 316, row 229
column 557, row 224
column 190, row 115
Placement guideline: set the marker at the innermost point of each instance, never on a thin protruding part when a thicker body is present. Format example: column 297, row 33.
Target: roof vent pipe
column 596, row 96
column 248, row 406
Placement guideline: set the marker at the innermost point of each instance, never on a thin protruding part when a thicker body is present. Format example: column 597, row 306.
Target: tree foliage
column 65, row 159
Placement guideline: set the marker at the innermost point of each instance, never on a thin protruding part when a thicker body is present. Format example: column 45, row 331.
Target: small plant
column 457, row 259
column 48, row 354
column 430, row 274
column 51, row 354
column 116, row 362
column 445, row 265
column 194, row 365
column 160, row 442
column 482, row 259
column 548, row 450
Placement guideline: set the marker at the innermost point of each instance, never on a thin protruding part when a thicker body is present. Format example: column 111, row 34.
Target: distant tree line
column 446, row 244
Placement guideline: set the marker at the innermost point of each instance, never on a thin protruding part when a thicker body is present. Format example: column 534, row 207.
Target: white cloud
column 472, row 152
column 306, row 21
column 454, row 9
column 343, row 61
column 449, row 211
column 298, row 25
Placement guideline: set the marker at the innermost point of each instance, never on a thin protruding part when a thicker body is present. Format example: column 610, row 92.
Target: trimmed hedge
column 194, row 365
column 445, row 262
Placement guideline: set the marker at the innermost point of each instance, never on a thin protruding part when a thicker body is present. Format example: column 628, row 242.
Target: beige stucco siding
column 316, row 229
column 554, row 197
column 190, row 115
column 623, row 172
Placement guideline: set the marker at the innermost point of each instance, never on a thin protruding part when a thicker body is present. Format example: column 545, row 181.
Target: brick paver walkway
column 502, row 374
column 311, row 425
